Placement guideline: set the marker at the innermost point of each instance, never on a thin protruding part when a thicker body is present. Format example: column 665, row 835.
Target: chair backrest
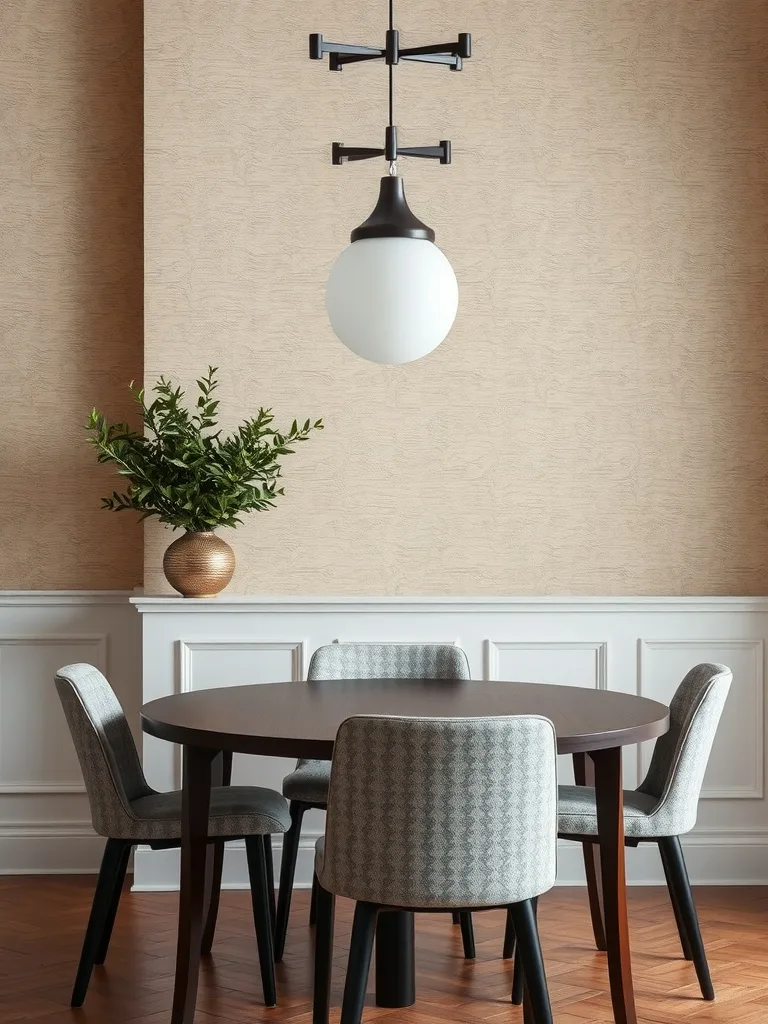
column 105, row 748
column 389, row 661
column 435, row 812
column 680, row 757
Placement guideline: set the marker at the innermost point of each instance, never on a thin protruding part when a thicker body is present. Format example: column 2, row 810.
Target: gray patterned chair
column 307, row 786
column 664, row 806
column 435, row 814
column 127, row 811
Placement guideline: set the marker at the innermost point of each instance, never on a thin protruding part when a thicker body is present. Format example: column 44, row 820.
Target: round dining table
column 301, row 719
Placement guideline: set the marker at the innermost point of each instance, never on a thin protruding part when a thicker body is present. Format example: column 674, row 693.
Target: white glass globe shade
column 392, row 300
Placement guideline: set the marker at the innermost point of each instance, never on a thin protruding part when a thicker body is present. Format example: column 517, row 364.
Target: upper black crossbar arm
column 318, row 47
column 461, row 48
column 337, row 60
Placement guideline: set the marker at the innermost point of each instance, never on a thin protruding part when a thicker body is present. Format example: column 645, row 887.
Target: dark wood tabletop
column 301, row 719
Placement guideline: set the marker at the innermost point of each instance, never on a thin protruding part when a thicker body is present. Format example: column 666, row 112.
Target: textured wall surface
column 70, row 282
column 596, row 422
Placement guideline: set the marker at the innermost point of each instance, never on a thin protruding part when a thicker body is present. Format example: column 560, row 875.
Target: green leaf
column 180, row 468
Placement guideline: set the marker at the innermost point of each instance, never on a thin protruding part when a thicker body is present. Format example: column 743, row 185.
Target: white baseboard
column 158, row 870
column 714, row 858
column 49, row 848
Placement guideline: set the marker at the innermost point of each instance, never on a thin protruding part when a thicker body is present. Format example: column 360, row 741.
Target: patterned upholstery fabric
column 105, row 748
column 123, row 805
column 309, row 782
column 666, row 802
column 235, row 811
column 433, row 812
column 578, row 812
column 389, row 661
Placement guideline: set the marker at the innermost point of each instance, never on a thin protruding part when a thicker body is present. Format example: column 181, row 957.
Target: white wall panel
column 562, row 662
column 44, row 815
column 36, row 752
column 208, row 664
column 588, row 642
column 736, row 766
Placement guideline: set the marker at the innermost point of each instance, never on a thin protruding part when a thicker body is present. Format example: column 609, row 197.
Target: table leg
column 610, row 827
column 196, row 874
column 395, row 966
column 584, row 775
column 221, row 775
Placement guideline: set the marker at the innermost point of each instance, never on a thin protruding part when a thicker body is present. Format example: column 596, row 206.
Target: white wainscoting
column 636, row 645
column 45, row 823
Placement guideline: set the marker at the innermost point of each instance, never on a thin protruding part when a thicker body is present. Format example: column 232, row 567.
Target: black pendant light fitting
column 392, row 218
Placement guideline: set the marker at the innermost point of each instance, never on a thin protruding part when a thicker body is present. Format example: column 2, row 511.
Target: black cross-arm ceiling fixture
column 392, row 219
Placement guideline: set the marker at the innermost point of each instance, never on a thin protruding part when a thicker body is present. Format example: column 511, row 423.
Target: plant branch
column 182, row 470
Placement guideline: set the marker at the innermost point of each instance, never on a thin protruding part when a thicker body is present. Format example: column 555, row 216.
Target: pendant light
column 392, row 295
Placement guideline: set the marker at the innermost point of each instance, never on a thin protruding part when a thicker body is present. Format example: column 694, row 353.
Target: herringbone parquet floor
column 42, row 921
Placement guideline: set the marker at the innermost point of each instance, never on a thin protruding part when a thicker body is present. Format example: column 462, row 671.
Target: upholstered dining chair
column 436, row 814
column 307, row 786
column 127, row 811
column 662, row 808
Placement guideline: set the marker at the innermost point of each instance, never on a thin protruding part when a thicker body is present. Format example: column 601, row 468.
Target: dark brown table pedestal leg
column 395, row 965
column 221, row 775
column 196, row 874
column 610, row 827
column 584, row 775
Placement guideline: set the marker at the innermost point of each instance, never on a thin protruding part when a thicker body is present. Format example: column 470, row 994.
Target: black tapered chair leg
column 321, row 1004
column 313, row 902
column 101, row 953
column 257, row 872
column 215, row 894
column 358, row 969
column 509, row 937
column 510, row 943
column 681, row 885
column 529, row 952
column 111, row 874
column 467, row 934
column 518, row 981
column 455, row 917
column 287, row 872
column 270, row 878
column 684, row 942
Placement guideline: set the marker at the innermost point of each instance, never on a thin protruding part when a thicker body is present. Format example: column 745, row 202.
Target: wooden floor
column 42, row 921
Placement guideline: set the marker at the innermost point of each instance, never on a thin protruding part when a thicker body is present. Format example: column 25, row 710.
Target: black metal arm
column 339, row 54
column 318, row 47
column 451, row 54
column 341, row 154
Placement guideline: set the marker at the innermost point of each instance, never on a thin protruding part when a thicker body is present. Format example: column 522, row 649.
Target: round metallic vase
column 199, row 564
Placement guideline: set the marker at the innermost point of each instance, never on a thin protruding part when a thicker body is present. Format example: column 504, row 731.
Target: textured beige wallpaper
column 596, row 423
column 70, row 282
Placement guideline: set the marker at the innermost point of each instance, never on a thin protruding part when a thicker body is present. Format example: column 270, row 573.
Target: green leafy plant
column 182, row 470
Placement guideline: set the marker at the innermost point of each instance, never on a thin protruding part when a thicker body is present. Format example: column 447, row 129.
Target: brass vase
column 199, row 564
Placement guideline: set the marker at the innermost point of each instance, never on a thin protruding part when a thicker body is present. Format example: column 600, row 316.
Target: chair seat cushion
column 309, row 782
column 235, row 811
column 577, row 812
